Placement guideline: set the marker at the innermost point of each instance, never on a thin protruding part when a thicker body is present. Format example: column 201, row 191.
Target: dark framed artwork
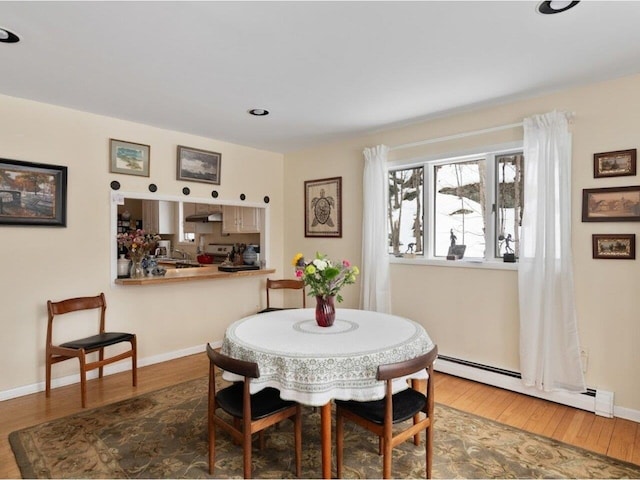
column 323, row 207
column 198, row 165
column 614, row 164
column 616, row 204
column 130, row 158
column 32, row 194
column 621, row 246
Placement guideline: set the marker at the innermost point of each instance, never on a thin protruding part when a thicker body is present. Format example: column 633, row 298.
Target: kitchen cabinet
column 188, row 208
column 240, row 219
column 206, row 208
column 158, row 216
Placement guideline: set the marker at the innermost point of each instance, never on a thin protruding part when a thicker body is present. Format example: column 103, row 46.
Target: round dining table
column 313, row 365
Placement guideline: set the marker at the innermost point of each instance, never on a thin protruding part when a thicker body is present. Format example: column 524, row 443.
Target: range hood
column 203, row 217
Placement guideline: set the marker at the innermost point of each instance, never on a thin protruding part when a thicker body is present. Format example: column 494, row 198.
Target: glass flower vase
column 325, row 311
column 137, row 270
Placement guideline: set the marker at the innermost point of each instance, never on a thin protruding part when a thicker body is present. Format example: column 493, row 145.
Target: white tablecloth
column 313, row 365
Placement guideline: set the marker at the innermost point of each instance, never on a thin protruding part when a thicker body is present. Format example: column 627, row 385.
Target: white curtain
column 549, row 345
column 375, row 292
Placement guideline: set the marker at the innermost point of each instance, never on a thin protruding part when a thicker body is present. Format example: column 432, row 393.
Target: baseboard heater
column 597, row 401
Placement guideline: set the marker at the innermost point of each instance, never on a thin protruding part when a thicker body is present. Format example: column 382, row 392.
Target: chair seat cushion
column 263, row 403
column 99, row 341
column 405, row 405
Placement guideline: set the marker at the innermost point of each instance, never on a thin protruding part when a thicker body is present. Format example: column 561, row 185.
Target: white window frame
column 489, row 153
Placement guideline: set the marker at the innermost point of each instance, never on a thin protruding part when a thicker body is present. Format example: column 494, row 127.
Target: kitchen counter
column 205, row 272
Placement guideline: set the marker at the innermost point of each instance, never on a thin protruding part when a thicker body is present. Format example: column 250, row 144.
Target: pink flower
column 346, row 264
column 298, row 273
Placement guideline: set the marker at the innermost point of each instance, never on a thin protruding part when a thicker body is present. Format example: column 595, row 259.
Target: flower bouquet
column 138, row 244
column 325, row 279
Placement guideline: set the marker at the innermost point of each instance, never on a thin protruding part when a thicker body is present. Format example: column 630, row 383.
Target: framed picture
column 323, row 207
column 198, row 165
column 617, row 204
column 614, row 164
column 130, row 158
column 622, row 247
column 32, row 194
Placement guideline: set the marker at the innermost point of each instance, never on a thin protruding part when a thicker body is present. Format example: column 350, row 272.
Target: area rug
column 163, row 434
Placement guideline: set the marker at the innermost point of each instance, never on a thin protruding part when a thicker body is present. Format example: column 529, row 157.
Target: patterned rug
column 163, row 434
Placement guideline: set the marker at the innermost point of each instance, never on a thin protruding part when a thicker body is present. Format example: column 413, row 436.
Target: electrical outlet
column 584, row 358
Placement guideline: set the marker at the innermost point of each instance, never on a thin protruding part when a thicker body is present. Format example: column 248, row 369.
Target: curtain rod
column 455, row 136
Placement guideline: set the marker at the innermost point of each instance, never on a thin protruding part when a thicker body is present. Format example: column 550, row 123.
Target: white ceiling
column 325, row 70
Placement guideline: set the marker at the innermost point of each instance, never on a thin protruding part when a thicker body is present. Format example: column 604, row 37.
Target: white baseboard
column 514, row 384
column 123, row 366
column 583, row 402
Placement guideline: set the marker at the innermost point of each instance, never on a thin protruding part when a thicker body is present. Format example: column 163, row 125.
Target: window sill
column 464, row 263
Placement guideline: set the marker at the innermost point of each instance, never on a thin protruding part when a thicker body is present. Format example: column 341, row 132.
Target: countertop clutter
column 203, row 272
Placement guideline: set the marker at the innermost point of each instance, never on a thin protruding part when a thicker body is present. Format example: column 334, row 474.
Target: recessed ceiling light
column 258, row 112
column 555, row 6
column 8, row 37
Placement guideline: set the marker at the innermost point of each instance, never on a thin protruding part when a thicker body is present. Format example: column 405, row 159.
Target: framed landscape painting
column 130, row 158
column 323, row 207
column 616, row 204
column 32, row 194
column 621, row 246
column 198, row 165
column 614, row 164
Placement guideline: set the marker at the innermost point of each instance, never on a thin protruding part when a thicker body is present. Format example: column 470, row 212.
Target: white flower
column 320, row 264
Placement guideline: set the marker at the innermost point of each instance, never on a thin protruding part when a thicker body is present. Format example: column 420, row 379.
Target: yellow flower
column 296, row 259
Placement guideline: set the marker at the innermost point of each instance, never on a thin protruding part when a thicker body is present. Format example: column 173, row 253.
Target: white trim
column 123, row 366
column 456, row 136
column 576, row 400
column 441, row 365
column 626, row 413
column 464, row 263
column 117, row 198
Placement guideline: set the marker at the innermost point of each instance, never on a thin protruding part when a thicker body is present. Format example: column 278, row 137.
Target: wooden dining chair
column 379, row 416
column 250, row 413
column 289, row 283
column 80, row 348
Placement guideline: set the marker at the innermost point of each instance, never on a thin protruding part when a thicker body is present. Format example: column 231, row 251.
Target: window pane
column 509, row 202
column 406, row 211
column 459, row 207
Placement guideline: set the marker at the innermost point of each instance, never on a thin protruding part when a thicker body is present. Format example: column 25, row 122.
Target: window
column 406, row 210
column 473, row 202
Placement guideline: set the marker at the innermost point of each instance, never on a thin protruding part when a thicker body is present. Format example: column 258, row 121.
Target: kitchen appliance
column 238, row 268
column 219, row 251
column 164, row 249
column 204, row 217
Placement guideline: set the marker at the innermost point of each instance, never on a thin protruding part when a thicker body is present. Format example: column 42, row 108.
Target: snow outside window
column 472, row 201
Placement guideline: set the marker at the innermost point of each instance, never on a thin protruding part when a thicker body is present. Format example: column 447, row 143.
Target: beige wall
column 473, row 313
column 40, row 263
column 53, row 263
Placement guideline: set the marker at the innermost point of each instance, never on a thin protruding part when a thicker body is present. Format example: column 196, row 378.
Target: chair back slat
column 286, row 283
column 233, row 365
column 407, row 367
column 75, row 304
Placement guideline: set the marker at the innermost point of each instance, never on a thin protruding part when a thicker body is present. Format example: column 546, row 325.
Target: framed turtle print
column 323, row 207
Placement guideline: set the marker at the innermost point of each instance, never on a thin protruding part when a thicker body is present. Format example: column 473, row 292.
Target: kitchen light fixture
column 8, row 37
column 259, row 112
column 555, row 6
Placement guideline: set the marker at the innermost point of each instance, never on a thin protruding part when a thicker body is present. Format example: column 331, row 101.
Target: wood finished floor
column 615, row 437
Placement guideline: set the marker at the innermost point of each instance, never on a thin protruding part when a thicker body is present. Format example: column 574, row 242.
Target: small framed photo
column 198, row 165
column 32, row 194
column 621, row 247
column 130, row 158
column 617, row 204
column 323, row 207
column 614, row 164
